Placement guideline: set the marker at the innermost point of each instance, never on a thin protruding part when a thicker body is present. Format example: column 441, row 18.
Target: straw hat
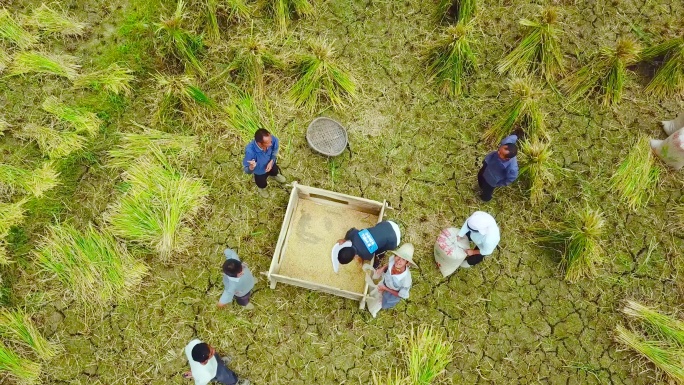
column 406, row 252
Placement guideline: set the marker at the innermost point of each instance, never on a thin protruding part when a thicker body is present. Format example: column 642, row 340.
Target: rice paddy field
column 119, row 114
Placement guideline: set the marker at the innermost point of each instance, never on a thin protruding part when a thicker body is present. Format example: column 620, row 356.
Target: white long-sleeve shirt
column 486, row 243
column 202, row 374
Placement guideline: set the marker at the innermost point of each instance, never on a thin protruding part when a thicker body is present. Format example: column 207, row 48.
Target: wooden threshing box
column 315, row 219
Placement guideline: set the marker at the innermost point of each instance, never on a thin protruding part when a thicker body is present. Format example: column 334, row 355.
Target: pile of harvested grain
column 314, row 230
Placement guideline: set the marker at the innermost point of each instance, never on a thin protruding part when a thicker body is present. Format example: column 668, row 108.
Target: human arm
column 464, row 230
column 350, row 233
column 403, row 291
column 274, row 153
column 276, row 147
column 228, row 292
column 382, row 287
column 249, row 161
column 381, row 270
column 511, row 173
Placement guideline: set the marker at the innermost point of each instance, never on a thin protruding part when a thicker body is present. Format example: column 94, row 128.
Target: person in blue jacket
column 260, row 160
column 499, row 169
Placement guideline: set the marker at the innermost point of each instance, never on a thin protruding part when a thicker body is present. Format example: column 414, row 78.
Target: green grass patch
column 35, row 182
column 428, row 353
column 81, row 120
column 606, row 74
column 538, row 167
column 669, row 80
column 284, row 11
column 11, row 215
column 321, row 79
column 16, row 325
column 21, row 369
column 580, row 237
column 44, row 63
column 134, row 146
column 244, row 117
column 53, row 143
column 158, row 207
column 636, row 179
column 666, row 358
column 450, row 59
column 522, row 112
column 251, row 58
column 12, row 32
column 174, row 39
column 53, row 21
column 539, row 50
column 91, row 264
column 115, row 79
column 179, row 94
column 458, row 10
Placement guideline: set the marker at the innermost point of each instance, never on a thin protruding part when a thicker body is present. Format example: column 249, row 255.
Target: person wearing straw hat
column 481, row 229
column 396, row 277
column 363, row 245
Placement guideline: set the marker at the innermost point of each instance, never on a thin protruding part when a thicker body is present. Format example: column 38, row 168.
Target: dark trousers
column 244, row 300
column 475, row 258
column 223, row 374
column 261, row 179
column 487, row 190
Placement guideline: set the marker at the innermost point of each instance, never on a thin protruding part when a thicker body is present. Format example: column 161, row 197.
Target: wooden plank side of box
column 317, row 287
column 332, row 198
column 280, row 245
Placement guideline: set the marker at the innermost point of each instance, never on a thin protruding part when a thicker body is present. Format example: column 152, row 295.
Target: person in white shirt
column 481, row 229
column 207, row 366
column 396, row 277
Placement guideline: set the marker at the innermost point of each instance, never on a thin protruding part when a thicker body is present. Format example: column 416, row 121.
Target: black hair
column 260, row 134
column 512, row 150
column 232, row 267
column 200, row 352
column 346, row 255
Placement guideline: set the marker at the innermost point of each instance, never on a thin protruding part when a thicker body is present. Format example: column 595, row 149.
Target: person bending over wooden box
column 363, row 245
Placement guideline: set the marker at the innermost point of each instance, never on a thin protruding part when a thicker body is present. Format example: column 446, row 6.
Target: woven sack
column 671, row 150
column 449, row 252
column 374, row 297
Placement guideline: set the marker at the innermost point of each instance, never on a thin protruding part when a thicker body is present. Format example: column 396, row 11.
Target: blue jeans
column 389, row 300
column 487, row 190
column 223, row 374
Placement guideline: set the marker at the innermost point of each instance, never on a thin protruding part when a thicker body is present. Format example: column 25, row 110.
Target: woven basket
column 326, row 136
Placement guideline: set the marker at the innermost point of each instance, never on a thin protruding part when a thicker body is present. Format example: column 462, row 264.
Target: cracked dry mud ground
column 512, row 319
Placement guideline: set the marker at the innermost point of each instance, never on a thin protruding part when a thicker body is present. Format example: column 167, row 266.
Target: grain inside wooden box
column 314, row 229
column 302, row 254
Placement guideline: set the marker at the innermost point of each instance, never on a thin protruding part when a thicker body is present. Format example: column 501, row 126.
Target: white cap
column 335, row 254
